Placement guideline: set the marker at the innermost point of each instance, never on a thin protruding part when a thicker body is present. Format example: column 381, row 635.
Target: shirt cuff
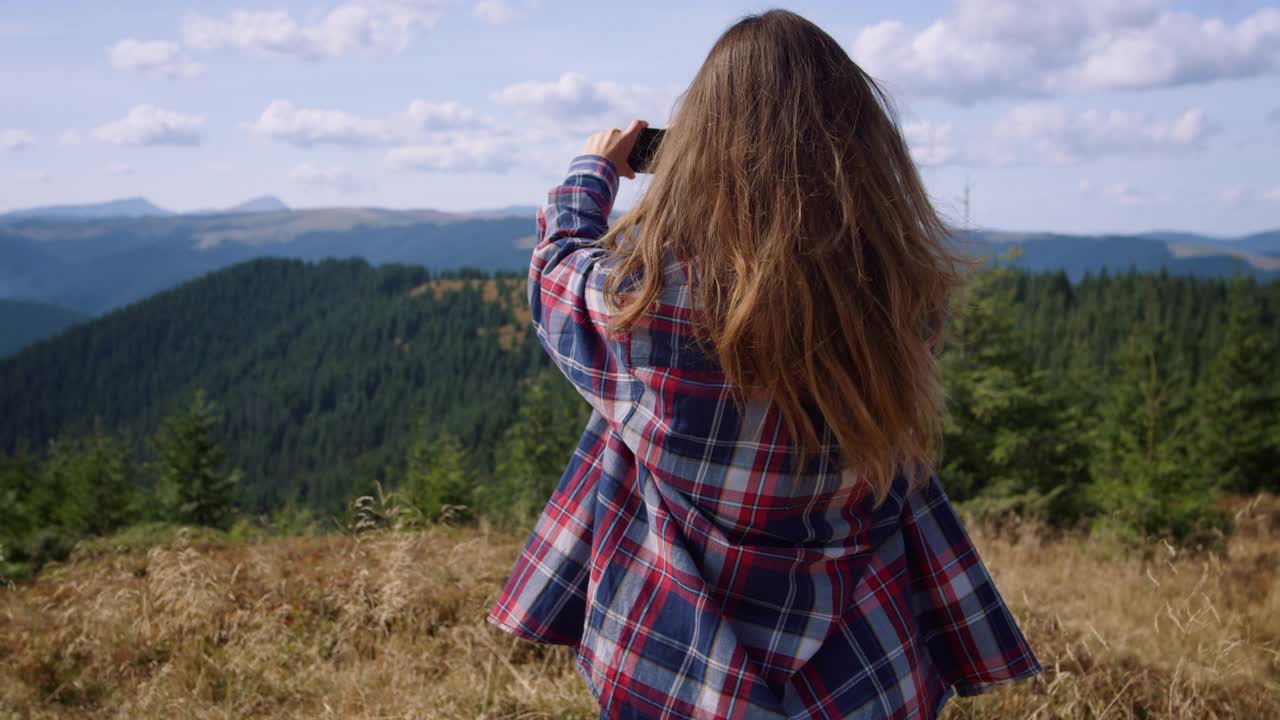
column 599, row 166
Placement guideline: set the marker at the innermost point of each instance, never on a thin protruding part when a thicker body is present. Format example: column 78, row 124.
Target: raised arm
column 567, row 272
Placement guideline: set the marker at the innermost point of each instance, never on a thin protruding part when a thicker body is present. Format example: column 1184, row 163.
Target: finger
column 633, row 130
column 627, row 141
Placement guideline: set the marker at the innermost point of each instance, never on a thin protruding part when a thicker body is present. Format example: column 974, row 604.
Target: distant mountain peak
column 262, row 203
column 124, row 207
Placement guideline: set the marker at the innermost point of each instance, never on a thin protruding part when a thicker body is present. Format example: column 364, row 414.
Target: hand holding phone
column 615, row 144
column 641, row 157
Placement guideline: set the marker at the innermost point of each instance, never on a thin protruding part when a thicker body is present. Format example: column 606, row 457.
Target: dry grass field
column 390, row 625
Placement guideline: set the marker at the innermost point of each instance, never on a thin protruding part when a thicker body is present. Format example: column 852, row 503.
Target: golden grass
column 390, row 625
column 1155, row 634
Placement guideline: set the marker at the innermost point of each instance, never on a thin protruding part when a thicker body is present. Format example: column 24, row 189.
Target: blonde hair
column 819, row 266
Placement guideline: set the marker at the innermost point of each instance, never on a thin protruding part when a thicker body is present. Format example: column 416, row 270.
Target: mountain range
column 131, row 207
column 1176, row 253
column 89, row 259
column 1263, row 243
column 92, row 264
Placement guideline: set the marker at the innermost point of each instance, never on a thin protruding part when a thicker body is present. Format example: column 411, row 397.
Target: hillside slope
column 23, row 323
column 322, row 369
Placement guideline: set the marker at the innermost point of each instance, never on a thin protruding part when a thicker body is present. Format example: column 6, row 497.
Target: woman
column 751, row 526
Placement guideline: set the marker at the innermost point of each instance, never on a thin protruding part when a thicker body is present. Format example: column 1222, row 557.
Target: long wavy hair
column 818, row 264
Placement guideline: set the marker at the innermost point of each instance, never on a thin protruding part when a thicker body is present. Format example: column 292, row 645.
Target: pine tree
column 19, row 476
column 437, row 485
column 1239, row 400
column 194, row 485
column 535, row 449
column 1143, row 480
column 1008, row 434
column 53, row 502
column 98, row 489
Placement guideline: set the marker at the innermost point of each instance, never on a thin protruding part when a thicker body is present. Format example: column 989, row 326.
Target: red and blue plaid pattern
column 692, row 575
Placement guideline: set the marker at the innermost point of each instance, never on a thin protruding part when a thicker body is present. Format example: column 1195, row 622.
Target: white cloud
column 448, row 136
column 930, row 143
column 13, row 139
column 351, row 26
column 1273, row 194
column 1050, row 133
column 334, row 178
column 497, row 11
column 573, row 103
column 1011, row 48
column 305, row 127
column 428, row 116
column 119, row 168
column 70, row 137
column 1126, row 194
column 32, row 176
column 461, row 154
column 150, row 125
column 427, row 136
column 165, row 59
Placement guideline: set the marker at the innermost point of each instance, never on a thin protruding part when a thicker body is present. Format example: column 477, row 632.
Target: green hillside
column 322, row 370
column 1130, row 399
column 23, row 322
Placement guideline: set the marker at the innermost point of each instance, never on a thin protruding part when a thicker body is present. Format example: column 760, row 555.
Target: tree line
column 321, row 371
column 1129, row 402
column 95, row 484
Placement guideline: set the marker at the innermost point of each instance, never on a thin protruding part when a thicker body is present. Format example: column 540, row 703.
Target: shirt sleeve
column 566, row 284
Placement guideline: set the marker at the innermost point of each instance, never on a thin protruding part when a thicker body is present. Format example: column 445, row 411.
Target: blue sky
column 1072, row 116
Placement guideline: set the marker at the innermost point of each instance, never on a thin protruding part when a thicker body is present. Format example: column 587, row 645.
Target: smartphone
column 646, row 145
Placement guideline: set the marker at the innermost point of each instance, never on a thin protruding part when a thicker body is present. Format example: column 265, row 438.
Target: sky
column 1083, row 116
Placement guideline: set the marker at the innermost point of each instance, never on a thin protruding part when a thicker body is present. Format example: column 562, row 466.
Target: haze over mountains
column 131, row 207
column 1257, row 254
column 95, row 258
column 89, row 259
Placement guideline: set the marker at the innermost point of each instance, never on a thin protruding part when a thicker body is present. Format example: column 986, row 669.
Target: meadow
column 191, row 623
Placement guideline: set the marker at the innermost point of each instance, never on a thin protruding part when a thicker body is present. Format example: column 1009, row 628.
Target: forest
column 279, row 392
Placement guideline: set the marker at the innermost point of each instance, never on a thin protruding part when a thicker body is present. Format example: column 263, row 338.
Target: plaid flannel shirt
column 692, row 577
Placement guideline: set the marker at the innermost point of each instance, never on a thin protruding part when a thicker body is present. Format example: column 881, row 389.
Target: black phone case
column 646, row 145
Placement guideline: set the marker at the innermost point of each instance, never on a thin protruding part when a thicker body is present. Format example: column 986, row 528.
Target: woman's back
column 694, row 573
column 735, row 535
